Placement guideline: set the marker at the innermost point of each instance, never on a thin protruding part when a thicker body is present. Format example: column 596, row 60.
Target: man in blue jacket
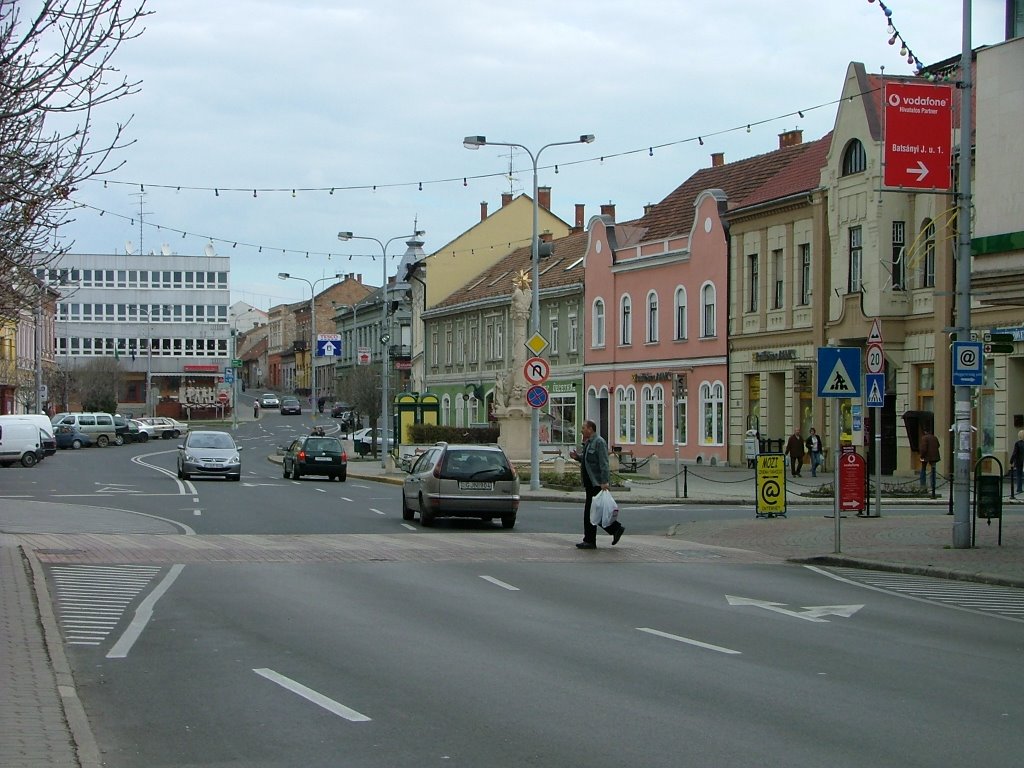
column 593, row 459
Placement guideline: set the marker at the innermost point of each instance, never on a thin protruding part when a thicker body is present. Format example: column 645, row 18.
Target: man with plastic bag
column 593, row 459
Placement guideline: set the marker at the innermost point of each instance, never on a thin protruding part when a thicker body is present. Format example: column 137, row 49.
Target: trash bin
column 751, row 448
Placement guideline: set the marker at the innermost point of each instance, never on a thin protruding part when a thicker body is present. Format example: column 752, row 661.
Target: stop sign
column 223, row 397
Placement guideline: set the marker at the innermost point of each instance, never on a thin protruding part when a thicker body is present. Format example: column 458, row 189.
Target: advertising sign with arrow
column 918, row 136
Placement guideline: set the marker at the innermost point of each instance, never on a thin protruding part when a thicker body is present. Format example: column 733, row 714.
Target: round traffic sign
column 537, row 396
column 537, row 370
column 874, row 358
column 223, row 397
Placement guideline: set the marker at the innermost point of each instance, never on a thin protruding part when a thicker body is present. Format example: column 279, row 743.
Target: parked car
column 290, row 405
column 166, row 427
column 209, row 453
column 316, row 455
column 364, row 439
column 68, row 436
column 269, row 400
column 99, row 426
column 45, row 427
column 124, row 432
column 146, row 431
column 450, row 480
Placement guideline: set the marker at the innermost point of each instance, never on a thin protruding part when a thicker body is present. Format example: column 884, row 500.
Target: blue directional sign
column 968, row 364
column 875, row 385
column 839, row 371
column 328, row 348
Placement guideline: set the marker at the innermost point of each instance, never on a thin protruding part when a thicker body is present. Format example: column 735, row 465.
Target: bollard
column 559, row 465
column 686, row 473
column 654, row 467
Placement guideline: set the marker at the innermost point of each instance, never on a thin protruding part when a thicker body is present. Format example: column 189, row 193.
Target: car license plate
column 475, row 486
column 323, row 458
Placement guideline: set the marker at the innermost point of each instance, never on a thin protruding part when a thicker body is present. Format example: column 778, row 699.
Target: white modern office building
column 164, row 318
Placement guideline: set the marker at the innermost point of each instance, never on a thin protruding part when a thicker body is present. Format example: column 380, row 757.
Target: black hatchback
column 315, row 455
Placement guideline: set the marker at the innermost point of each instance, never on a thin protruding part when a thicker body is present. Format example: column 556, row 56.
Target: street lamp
column 312, row 322
column 384, row 337
column 475, row 142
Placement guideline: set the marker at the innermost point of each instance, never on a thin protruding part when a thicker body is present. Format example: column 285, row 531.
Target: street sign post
column 838, row 372
column 918, row 136
column 968, row 364
column 536, row 370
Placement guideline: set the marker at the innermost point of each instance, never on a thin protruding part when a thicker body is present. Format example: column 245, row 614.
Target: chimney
column 545, row 237
column 608, row 209
column 544, row 198
column 648, row 208
column 579, row 216
column 791, row 138
column 506, row 198
column 717, row 159
column 483, row 210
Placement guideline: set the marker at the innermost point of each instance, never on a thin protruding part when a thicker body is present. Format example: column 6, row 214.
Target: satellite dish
column 165, row 250
column 129, row 247
column 208, row 250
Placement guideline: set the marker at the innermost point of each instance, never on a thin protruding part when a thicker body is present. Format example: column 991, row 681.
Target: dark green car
column 314, row 455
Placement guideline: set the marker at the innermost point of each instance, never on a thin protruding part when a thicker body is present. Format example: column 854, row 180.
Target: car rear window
column 331, row 444
column 468, row 464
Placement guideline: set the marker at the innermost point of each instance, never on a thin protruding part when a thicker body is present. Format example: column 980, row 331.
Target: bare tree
column 56, row 68
column 99, row 383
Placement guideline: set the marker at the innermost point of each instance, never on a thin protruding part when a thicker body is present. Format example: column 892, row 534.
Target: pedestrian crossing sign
column 875, row 383
column 839, row 372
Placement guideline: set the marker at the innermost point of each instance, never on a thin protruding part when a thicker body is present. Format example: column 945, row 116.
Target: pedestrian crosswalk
column 91, row 599
column 1006, row 602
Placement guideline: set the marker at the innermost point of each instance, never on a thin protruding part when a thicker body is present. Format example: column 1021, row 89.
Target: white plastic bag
column 603, row 509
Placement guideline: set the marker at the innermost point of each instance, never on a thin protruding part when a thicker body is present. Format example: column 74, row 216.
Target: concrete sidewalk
column 42, row 722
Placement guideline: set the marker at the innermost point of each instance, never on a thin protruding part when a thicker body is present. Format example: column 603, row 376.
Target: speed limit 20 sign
column 874, row 359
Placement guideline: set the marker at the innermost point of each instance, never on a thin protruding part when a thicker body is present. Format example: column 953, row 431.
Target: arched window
column 460, row 410
column 652, row 317
column 625, row 415
column 653, row 403
column 597, row 324
column 855, row 159
column 707, row 314
column 712, row 408
column 679, row 303
column 626, row 320
column 928, row 256
column 446, row 410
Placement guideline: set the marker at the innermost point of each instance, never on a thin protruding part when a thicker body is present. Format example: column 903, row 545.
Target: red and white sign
column 536, row 370
column 874, row 359
column 223, row 397
column 918, row 136
column 363, row 356
column 852, row 469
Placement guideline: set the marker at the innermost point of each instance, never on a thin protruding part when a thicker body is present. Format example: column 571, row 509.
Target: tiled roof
column 496, row 282
column 802, row 174
column 739, row 180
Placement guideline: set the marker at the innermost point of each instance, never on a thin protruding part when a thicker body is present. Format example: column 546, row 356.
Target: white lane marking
column 346, row 498
column 320, row 490
column 500, row 583
column 688, row 641
column 410, row 527
column 809, row 613
column 310, row 695
column 197, row 512
column 142, row 616
column 374, row 509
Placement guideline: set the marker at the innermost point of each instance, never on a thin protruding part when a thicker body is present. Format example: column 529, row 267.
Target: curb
column 979, row 577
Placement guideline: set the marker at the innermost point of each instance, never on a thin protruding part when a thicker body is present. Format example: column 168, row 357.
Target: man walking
column 1017, row 464
column 929, row 451
column 593, row 459
column 814, row 449
column 795, row 451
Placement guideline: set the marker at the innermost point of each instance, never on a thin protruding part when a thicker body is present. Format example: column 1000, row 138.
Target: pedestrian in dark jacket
column 928, row 448
column 814, row 449
column 1017, row 462
column 795, row 451
column 593, row 459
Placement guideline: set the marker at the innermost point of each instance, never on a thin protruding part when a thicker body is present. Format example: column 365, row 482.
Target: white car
column 269, row 400
column 165, row 427
column 145, row 429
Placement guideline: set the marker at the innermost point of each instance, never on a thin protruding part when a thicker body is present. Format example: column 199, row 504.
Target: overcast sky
column 315, row 94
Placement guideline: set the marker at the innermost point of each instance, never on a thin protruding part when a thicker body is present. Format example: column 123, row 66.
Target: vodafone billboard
column 918, row 136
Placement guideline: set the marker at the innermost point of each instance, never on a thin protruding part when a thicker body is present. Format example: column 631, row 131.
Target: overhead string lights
column 895, row 36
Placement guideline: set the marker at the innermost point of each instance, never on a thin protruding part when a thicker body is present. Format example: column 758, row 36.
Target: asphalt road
column 528, row 654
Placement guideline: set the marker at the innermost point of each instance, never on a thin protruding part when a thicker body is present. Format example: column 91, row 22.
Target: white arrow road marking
column 310, row 695
column 921, row 170
column 688, row 641
column 809, row 613
column 499, row 583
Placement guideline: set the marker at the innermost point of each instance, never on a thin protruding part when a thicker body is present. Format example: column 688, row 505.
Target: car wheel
column 29, row 460
column 180, row 475
column 119, row 440
column 102, row 441
column 143, row 437
column 186, row 476
column 344, row 475
column 76, row 444
column 175, row 434
column 407, row 514
column 426, row 516
column 285, row 468
column 296, row 473
column 508, row 521
column 5, row 464
column 236, row 478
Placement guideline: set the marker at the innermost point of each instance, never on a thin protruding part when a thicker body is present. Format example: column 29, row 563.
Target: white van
column 20, row 441
column 41, row 421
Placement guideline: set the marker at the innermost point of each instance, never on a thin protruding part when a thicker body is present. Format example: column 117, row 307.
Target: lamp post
column 312, row 322
column 384, row 337
column 475, row 142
